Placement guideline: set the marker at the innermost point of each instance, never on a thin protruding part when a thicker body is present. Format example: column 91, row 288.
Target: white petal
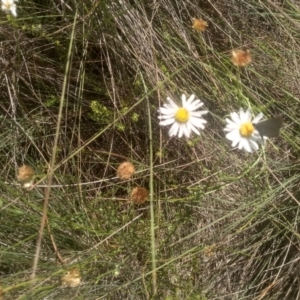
column 183, row 98
column 232, row 126
column 172, row 103
column 197, row 122
column 174, row 129
column 235, row 142
column 231, row 123
column 195, row 105
column 188, row 130
column 13, row 10
column 233, row 135
column 235, row 118
column 166, row 111
column 257, row 118
column 253, row 144
column 243, row 115
column 198, row 113
column 247, row 145
column 190, row 100
column 242, row 143
column 193, row 128
column 167, row 122
column 162, row 117
column 180, row 132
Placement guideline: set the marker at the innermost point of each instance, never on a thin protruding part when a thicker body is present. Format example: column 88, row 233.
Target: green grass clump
column 81, row 83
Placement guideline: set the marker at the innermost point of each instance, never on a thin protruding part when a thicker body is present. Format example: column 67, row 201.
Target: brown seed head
column 199, row 24
column 209, row 252
column 72, row 278
column 139, row 195
column 241, row 58
column 25, row 173
column 125, row 170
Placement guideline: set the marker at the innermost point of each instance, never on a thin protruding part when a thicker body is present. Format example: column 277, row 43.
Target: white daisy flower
column 184, row 119
column 9, row 6
column 242, row 132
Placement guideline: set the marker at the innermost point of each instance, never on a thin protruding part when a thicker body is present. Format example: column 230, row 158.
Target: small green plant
column 52, row 101
column 135, row 117
column 100, row 113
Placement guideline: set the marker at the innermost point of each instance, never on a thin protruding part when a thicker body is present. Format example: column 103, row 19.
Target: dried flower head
column 199, row 24
column 209, row 252
column 72, row 278
column 241, row 58
column 26, row 176
column 139, row 195
column 125, row 170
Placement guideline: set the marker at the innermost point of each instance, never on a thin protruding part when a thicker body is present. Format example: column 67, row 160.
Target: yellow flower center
column 246, row 129
column 182, row 115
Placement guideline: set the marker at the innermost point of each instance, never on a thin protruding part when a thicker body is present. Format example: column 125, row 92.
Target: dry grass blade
column 187, row 218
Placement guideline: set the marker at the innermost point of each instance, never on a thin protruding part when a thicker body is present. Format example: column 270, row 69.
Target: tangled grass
column 81, row 83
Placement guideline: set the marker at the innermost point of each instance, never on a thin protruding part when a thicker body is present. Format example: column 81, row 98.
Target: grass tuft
column 81, row 83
